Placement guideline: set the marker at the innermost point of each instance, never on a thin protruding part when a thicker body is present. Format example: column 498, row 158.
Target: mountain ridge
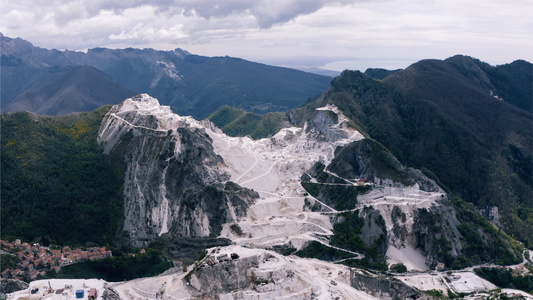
column 462, row 139
column 190, row 84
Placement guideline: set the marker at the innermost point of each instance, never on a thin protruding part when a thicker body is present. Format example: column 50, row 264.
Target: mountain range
column 190, row 84
column 385, row 171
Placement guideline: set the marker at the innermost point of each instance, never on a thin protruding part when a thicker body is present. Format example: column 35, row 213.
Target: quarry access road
column 137, row 126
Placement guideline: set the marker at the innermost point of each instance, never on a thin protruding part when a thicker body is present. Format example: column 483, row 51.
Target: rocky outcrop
column 329, row 124
column 323, row 125
column 223, row 277
column 412, row 206
column 432, row 231
column 425, row 183
column 258, row 274
column 373, row 228
column 173, row 180
column 110, row 293
column 12, row 285
column 370, row 160
column 383, row 287
column 435, row 233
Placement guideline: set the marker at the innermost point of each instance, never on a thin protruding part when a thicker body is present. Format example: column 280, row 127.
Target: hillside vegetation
column 442, row 118
column 57, row 186
column 118, row 267
column 237, row 122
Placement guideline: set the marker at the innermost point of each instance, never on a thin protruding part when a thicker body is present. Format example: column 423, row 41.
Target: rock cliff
column 384, row 288
column 417, row 216
column 173, row 182
column 255, row 274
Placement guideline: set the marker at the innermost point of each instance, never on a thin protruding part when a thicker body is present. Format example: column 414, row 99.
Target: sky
column 324, row 34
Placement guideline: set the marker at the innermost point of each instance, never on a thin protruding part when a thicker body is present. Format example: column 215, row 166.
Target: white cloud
column 149, row 33
column 383, row 31
column 266, row 12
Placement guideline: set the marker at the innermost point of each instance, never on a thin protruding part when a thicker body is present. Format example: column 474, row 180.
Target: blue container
column 79, row 294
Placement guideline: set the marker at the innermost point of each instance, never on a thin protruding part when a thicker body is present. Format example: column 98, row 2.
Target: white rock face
column 169, row 165
column 256, row 274
column 272, row 167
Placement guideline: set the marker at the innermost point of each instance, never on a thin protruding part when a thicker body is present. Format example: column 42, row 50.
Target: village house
column 36, row 260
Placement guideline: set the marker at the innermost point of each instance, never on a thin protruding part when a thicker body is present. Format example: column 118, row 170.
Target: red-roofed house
column 94, row 256
column 57, row 254
column 71, row 258
column 42, row 252
column 37, row 262
column 25, row 263
column 8, row 245
column 16, row 272
column 33, row 275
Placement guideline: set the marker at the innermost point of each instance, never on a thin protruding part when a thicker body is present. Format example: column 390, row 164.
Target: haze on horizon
column 333, row 35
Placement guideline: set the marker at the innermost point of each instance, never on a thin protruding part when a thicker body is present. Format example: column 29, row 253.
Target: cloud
column 265, row 30
column 266, row 12
column 150, row 33
column 136, row 22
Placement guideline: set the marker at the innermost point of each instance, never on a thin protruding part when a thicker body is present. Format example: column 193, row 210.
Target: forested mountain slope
column 57, row 185
column 439, row 118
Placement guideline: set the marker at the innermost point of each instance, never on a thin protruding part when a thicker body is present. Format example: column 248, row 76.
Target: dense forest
column 505, row 278
column 57, row 186
column 119, row 267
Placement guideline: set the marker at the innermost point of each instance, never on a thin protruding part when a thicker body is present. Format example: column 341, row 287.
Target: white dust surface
column 69, row 286
column 410, row 257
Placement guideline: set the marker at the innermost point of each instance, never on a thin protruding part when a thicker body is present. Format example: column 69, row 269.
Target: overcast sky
column 317, row 33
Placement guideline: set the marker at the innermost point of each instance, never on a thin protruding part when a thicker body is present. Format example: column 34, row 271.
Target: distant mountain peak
column 190, row 84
